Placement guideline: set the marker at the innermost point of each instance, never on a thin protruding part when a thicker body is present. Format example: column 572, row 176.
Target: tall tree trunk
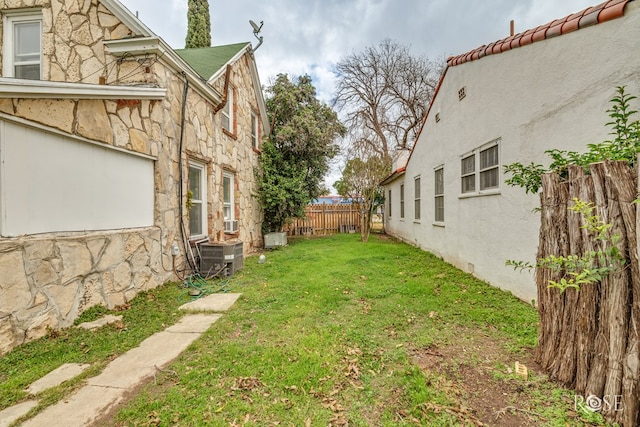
column 589, row 338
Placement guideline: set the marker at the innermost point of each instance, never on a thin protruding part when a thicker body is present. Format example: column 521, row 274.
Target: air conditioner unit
column 230, row 226
column 222, row 259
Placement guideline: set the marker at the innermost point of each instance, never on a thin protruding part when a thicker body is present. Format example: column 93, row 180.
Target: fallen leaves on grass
column 122, row 307
column 352, row 369
column 366, row 307
column 247, row 383
column 338, row 418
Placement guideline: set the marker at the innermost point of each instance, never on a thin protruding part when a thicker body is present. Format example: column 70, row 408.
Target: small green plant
column 624, row 146
column 591, row 266
column 189, row 203
column 528, row 177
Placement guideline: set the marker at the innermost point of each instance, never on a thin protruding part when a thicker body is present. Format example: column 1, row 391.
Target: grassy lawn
column 329, row 331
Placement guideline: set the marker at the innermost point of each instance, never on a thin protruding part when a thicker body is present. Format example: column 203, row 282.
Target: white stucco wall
column 550, row 94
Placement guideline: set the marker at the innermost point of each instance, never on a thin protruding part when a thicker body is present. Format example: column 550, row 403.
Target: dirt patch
column 478, row 372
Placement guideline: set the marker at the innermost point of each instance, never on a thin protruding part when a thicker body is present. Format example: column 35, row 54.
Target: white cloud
column 310, row 36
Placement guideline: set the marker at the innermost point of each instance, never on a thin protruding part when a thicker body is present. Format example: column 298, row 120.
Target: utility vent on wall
column 461, row 94
column 230, row 226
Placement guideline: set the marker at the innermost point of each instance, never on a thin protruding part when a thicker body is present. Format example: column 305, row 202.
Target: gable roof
column 603, row 12
column 202, row 66
column 208, row 61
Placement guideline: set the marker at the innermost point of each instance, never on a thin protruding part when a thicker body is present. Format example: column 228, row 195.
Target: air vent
column 462, row 93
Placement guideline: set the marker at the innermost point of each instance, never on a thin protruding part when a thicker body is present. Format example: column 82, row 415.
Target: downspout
column 185, row 239
column 227, row 76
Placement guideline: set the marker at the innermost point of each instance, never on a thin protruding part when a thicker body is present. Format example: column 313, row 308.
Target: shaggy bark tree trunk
column 589, row 337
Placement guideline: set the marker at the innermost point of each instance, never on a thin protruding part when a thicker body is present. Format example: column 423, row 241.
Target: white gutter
column 21, row 88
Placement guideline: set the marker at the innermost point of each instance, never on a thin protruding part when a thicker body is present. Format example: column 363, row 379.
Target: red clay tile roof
column 394, row 175
column 606, row 11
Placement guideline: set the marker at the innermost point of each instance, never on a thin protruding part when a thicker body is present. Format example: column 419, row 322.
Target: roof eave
column 255, row 77
column 127, row 18
column 394, row 175
column 37, row 89
column 605, row 11
column 154, row 45
column 259, row 95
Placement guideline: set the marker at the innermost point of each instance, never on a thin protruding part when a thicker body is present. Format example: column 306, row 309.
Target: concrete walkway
column 105, row 391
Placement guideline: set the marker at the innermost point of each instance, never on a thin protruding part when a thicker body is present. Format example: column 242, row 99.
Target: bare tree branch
column 384, row 92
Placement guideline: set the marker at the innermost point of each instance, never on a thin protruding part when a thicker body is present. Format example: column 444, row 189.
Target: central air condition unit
column 222, row 259
column 230, row 226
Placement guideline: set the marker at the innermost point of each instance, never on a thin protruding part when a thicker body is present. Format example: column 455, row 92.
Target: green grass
column 322, row 334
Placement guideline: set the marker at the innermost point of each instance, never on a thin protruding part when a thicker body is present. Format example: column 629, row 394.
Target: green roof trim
column 209, row 60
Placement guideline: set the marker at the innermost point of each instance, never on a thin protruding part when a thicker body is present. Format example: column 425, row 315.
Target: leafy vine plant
column 589, row 267
column 592, row 266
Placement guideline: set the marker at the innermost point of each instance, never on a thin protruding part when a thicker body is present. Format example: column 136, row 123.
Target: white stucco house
column 548, row 87
column 117, row 153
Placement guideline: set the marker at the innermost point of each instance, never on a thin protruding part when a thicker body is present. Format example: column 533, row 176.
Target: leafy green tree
column 361, row 181
column 198, row 24
column 296, row 156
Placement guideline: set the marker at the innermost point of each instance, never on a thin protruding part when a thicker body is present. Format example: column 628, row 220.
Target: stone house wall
column 47, row 280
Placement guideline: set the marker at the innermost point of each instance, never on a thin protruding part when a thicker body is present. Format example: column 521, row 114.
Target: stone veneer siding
column 47, row 280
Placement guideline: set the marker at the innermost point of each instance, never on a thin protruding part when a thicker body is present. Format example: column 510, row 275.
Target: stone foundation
column 49, row 280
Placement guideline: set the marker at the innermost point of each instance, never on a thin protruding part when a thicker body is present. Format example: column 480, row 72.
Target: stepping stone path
column 106, row 320
column 109, row 388
column 57, row 377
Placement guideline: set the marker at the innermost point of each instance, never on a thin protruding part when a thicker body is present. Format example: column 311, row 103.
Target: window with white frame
column 227, row 112
column 198, row 199
column 416, row 187
column 389, row 204
column 255, row 131
column 469, row 173
column 439, row 194
column 401, row 200
column 416, row 198
column 489, row 168
column 227, row 190
column 22, row 45
column 480, row 169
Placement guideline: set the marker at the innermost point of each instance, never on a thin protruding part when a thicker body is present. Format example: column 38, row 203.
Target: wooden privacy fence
column 323, row 219
column 589, row 337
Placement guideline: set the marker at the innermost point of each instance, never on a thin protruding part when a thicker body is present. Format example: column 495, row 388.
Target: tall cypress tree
column 198, row 24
